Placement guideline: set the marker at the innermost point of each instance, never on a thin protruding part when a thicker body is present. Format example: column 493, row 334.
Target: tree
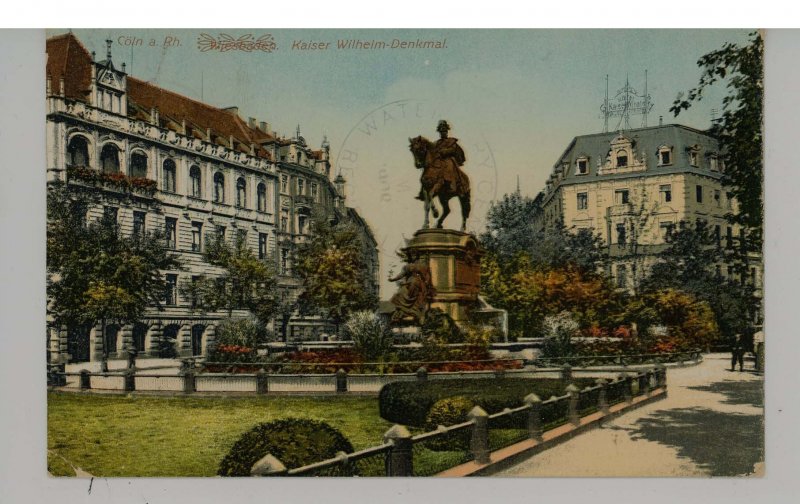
column 739, row 129
column 689, row 264
column 93, row 272
column 333, row 270
column 246, row 283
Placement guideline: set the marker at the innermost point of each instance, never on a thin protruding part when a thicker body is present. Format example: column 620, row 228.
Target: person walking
column 737, row 353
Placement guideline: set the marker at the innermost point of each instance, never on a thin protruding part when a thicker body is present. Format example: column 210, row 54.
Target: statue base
column 454, row 261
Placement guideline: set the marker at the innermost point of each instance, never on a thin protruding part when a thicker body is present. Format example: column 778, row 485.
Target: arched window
column 194, row 175
column 241, row 193
column 219, row 187
column 262, row 197
column 138, row 165
column 169, row 175
column 78, row 152
column 622, row 158
column 109, row 158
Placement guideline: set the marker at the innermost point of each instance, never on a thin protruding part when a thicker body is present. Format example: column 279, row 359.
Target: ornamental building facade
column 160, row 160
column 633, row 188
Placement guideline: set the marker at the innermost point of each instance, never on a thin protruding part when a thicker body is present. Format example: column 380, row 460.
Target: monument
column 442, row 265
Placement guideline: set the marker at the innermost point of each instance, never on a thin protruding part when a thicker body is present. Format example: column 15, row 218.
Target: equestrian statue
column 442, row 176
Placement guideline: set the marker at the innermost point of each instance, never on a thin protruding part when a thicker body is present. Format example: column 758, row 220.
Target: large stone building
column 160, row 160
column 634, row 187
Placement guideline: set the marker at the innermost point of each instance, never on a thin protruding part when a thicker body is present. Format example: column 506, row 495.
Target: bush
column 371, row 337
column 449, row 411
column 559, row 330
column 237, row 340
column 408, row 403
column 294, row 441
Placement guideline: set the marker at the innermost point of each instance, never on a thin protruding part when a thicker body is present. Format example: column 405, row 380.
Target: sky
column 514, row 99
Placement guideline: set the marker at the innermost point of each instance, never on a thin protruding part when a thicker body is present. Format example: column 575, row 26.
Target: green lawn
column 129, row 436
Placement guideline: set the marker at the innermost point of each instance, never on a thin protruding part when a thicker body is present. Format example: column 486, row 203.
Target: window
column 170, row 232
column 241, row 236
column 621, row 234
column 664, row 156
column 621, row 197
column 698, row 191
column 693, row 157
column 197, row 234
column 301, row 186
column 712, row 163
column 109, row 159
column 220, row 231
column 284, row 183
column 241, row 193
column 171, row 294
column 729, row 200
column 583, row 201
column 219, row 187
column 262, row 245
column 110, row 215
column 138, row 223
column 622, row 159
column 729, row 237
column 665, row 192
column 194, row 176
column 284, row 261
column 78, row 152
column 301, row 224
column 717, row 234
column 717, row 197
column 138, row 166
column 666, row 230
column 314, row 192
column 262, row 197
column 622, row 276
column 583, row 166
column 195, row 294
column 169, row 176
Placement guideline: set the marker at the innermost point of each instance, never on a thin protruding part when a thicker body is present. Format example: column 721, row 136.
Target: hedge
column 408, row 403
column 294, row 441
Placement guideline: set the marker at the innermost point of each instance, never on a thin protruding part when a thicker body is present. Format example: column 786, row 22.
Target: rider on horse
column 447, row 149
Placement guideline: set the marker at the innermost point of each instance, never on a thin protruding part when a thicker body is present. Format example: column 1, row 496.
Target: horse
column 442, row 179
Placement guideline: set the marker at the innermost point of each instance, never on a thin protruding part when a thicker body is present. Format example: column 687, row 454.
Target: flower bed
column 117, row 180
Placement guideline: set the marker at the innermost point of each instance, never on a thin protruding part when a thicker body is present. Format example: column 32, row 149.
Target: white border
column 22, row 379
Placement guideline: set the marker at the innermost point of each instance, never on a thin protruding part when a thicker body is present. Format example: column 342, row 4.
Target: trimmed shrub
column 408, row 403
column 449, row 411
column 294, row 441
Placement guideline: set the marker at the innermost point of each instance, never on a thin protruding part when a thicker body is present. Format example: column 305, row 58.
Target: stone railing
column 692, row 356
column 486, row 439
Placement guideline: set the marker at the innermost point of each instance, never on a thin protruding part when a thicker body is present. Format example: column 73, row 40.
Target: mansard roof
column 645, row 141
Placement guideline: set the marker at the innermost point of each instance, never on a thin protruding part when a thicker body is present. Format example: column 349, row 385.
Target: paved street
column 710, row 424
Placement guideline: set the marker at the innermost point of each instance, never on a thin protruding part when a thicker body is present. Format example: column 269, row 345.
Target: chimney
column 252, row 149
column 232, row 110
column 183, row 126
column 230, row 141
column 251, row 122
column 263, row 126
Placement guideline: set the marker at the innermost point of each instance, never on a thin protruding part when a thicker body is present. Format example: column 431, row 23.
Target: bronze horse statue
column 442, row 179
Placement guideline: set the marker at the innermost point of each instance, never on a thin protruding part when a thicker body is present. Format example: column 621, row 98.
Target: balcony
column 621, row 209
column 115, row 181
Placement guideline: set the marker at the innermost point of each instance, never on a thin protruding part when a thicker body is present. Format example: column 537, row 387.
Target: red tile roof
column 67, row 57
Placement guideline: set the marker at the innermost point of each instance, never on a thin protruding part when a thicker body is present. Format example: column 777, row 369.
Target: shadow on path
column 727, row 444
column 737, row 392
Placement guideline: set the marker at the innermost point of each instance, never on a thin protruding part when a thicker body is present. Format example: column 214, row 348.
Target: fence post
column 341, row 381
column 566, row 372
column 479, row 442
column 400, row 459
column 626, row 388
column 86, row 379
column 646, row 385
column 268, row 466
column 661, row 375
column 131, row 359
column 602, row 400
column 261, row 381
column 130, row 380
column 534, row 416
column 189, row 382
column 573, row 392
column 422, row 374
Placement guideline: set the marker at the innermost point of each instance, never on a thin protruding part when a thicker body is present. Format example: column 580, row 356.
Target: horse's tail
column 466, row 206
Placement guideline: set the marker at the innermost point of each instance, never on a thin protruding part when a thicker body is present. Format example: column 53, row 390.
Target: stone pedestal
column 454, row 260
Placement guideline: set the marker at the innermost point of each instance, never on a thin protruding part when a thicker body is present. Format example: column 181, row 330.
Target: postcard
column 418, row 253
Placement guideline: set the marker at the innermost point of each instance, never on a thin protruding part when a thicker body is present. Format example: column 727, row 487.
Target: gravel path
column 711, row 424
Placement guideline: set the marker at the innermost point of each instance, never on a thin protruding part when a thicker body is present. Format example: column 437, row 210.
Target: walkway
column 711, row 424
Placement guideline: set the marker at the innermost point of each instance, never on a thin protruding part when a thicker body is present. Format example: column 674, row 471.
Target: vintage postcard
column 382, row 253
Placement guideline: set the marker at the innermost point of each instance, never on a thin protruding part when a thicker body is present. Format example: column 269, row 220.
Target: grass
column 129, row 436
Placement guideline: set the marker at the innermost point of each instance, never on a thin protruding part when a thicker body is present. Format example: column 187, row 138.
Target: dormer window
column 622, row 159
column 694, row 156
column 713, row 163
column 664, row 155
column 582, row 166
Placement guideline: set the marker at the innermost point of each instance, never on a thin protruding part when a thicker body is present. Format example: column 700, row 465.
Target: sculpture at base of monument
column 414, row 293
column 442, row 176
